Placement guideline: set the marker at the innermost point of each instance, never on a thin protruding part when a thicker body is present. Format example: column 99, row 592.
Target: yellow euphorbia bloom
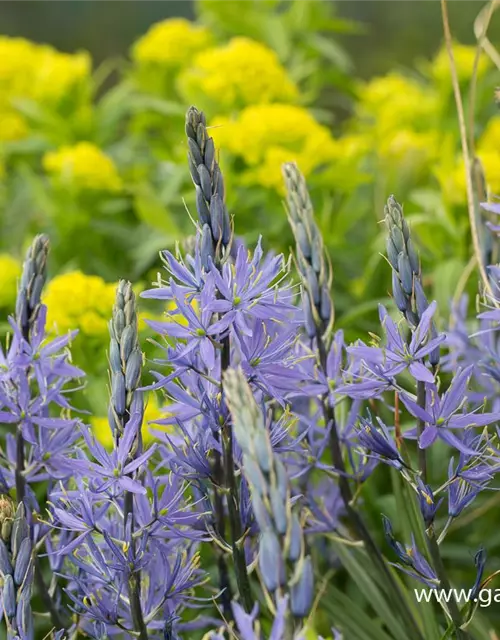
column 395, row 101
column 34, row 72
column 10, row 271
column 152, row 412
column 265, row 136
column 171, row 43
column 407, row 144
column 241, row 73
column 83, row 166
column 78, row 301
column 464, row 60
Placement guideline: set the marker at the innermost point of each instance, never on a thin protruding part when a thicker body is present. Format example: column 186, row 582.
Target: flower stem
column 134, row 585
column 240, row 564
column 422, row 458
column 444, row 583
column 355, row 518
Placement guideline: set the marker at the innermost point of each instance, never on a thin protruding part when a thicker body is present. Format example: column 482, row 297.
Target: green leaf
column 347, row 615
column 357, row 569
column 151, row 210
column 410, row 521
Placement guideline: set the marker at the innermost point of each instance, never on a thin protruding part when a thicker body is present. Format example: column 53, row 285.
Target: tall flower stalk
column 125, row 358
column 316, row 278
column 216, row 238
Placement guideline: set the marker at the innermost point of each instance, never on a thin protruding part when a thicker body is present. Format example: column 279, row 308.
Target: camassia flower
column 444, row 413
column 398, row 355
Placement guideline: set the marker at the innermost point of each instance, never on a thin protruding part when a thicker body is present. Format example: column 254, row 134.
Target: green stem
column 134, row 581
column 422, row 458
column 444, row 583
column 240, row 564
column 354, row 516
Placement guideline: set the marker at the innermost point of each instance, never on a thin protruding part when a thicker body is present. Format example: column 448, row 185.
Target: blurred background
column 107, row 29
column 92, row 149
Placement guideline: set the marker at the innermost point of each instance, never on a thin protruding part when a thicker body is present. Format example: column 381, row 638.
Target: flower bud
column 205, row 181
column 209, row 153
column 206, row 247
column 216, row 216
column 201, row 207
column 405, row 273
column 9, row 597
column 133, row 370
column 302, row 593
column 118, row 394
column 270, row 560
column 7, row 513
column 22, row 561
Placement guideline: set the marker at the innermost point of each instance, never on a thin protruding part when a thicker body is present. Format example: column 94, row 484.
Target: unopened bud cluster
column 16, row 570
column 209, row 184
column 31, row 284
column 407, row 287
column 314, row 269
column 125, row 358
column 282, row 561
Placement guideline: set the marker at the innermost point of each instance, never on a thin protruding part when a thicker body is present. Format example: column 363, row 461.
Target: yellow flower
column 12, row 126
column 84, row 166
column 265, row 136
column 241, row 73
column 464, row 61
column 78, row 301
column 10, row 270
column 406, row 144
column 34, row 72
column 171, row 43
column 152, row 412
column 490, row 139
column 393, row 101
